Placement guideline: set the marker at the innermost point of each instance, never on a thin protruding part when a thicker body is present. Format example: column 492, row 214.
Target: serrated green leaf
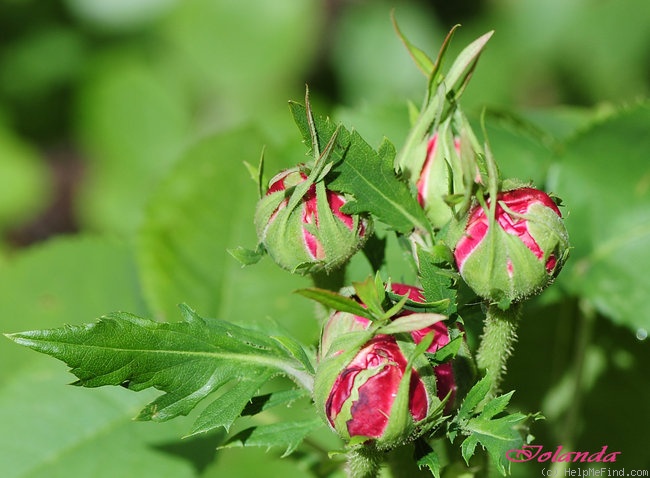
column 369, row 176
column 496, row 405
column 366, row 174
column 410, row 322
column 427, row 457
column 438, row 283
column 447, row 352
column 188, row 360
column 284, row 434
column 335, row 301
column 269, row 400
column 497, row 436
column 476, row 394
column 224, row 410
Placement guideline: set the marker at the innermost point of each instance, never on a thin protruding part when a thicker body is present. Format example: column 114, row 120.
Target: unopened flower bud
column 312, row 236
column 359, row 390
column 517, row 252
column 439, row 178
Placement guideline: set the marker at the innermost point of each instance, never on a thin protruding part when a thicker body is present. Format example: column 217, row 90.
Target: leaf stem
column 364, row 461
column 499, row 336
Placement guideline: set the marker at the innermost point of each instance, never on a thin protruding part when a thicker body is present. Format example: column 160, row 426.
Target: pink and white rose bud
column 433, row 181
column 315, row 234
column 359, row 390
column 444, row 173
column 516, row 253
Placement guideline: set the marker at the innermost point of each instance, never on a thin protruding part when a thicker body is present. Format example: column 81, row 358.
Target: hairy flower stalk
column 497, row 342
column 511, row 249
column 364, row 461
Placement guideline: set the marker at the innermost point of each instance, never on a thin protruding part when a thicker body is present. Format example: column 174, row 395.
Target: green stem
column 499, row 336
column 364, row 461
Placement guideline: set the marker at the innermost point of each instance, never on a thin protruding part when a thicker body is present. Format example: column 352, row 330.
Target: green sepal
column 257, row 174
column 248, row 257
column 437, row 306
column 335, row 301
column 421, row 59
column 410, row 322
column 371, row 292
column 450, row 173
column 461, row 70
column 447, row 352
column 282, row 236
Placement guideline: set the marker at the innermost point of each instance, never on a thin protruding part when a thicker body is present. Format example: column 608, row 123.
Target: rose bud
column 517, row 252
column 438, row 178
column 360, row 385
column 310, row 233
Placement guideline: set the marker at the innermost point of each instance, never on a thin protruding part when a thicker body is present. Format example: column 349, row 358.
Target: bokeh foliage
column 123, row 128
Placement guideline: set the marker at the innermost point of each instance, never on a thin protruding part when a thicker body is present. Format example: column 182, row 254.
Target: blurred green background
column 123, row 128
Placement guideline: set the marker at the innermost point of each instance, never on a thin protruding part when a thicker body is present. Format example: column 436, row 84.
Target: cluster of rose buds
column 312, row 234
column 374, row 383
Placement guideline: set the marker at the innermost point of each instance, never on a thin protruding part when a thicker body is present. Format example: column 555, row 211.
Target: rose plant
column 393, row 372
